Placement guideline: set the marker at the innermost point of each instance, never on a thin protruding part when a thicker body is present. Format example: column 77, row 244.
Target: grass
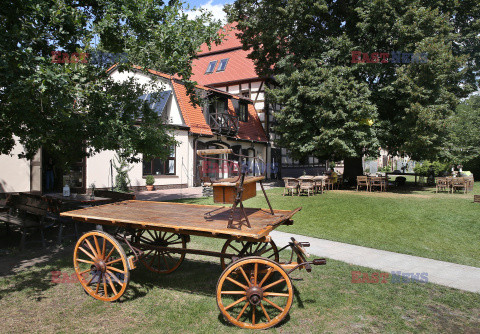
column 184, row 302
column 416, row 222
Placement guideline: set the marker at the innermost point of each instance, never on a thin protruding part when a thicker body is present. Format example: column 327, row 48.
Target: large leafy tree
column 65, row 107
column 465, row 134
column 307, row 45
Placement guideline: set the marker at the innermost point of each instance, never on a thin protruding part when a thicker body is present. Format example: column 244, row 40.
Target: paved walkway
column 439, row 272
column 172, row 194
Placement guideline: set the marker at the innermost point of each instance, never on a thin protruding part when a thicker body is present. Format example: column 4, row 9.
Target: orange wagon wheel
column 254, row 293
column 264, row 249
column 101, row 266
column 161, row 262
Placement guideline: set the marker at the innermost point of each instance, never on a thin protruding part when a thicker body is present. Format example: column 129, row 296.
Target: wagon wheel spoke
column 262, row 274
column 161, row 261
column 235, row 303
column 87, row 253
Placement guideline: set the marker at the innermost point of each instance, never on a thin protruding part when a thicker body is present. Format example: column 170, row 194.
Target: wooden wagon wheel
column 264, row 249
column 161, row 262
column 101, row 266
column 254, row 293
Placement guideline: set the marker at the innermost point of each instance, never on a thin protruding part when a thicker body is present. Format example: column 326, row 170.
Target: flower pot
column 150, row 188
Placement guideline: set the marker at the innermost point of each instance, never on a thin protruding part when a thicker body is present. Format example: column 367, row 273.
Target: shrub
column 149, row 180
column 439, row 168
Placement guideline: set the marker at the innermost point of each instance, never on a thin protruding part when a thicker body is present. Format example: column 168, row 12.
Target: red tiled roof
column 194, row 118
column 239, row 67
column 192, row 115
column 230, row 40
column 251, row 130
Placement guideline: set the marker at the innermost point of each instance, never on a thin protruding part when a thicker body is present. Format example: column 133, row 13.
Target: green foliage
column 122, row 167
column 410, row 103
column 149, row 180
column 69, row 106
column 465, row 130
column 387, row 168
column 322, row 111
column 438, row 168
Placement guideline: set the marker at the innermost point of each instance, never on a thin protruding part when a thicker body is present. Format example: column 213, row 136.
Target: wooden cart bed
column 208, row 220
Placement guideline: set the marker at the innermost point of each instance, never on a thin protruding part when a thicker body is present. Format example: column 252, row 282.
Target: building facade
column 224, row 121
column 227, row 67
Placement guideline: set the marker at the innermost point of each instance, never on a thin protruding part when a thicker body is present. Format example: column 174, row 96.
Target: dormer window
column 211, row 67
column 222, row 65
column 242, row 112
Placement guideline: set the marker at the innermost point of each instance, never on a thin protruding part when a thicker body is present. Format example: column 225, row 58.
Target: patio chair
column 306, row 185
column 291, row 185
column 470, row 182
column 442, row 184
column 377, row 182
column 362, row 181
column 319, row 184
column 459, row 183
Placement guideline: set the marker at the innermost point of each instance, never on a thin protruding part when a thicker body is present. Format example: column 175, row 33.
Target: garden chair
column 442, row 184
column 319, row 183
column 459, row 183
column 291, row 185
column 306, row 185
column 377, row 182
column 362, row 181
column 470, row 182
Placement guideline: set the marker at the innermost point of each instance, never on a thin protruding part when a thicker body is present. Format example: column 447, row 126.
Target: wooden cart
column 254, row 290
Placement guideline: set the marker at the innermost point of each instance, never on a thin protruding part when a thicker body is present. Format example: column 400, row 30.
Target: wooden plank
column 183, row 218
column 226, row 195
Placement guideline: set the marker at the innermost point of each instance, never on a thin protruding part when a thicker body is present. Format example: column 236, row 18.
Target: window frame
column 165, row 165
column 214, row 62
column 225, row 62
column 240, row 114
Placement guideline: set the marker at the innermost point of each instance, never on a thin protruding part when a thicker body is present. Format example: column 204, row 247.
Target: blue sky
column 214, row 6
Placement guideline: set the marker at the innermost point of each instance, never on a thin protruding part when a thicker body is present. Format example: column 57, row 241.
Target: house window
column 246, row 93
column 222, row 65
column 211, row 67
column 157, row 166
column 243, row 112
column 217, row 106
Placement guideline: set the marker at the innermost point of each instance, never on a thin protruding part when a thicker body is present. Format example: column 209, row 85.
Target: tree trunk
column 352, row 168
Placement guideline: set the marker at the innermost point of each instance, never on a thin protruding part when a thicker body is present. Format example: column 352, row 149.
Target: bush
column 439, row 168
column 149, row 180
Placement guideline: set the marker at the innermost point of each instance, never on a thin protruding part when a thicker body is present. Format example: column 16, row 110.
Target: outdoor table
column 401, row 174
column 79, row 199
column 305, row 177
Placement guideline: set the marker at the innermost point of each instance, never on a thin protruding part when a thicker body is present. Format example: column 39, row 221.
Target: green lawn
column 417, row 222
column 184, row 302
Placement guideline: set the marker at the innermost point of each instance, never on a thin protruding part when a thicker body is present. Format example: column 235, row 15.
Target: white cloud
column 216, row 10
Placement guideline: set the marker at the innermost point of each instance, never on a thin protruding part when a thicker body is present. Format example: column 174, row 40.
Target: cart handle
column 214, row 151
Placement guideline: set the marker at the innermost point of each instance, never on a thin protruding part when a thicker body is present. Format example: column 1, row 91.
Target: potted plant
column 149, row 180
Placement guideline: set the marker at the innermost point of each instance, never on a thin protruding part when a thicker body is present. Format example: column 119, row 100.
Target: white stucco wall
column 14, row 172
column 98, row 167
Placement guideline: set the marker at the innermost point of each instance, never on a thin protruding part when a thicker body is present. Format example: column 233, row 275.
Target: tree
column 465, row 134
column 410, row 102
column 72, row 105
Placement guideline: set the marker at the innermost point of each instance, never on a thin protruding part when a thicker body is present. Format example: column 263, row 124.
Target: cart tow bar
column 316, row 262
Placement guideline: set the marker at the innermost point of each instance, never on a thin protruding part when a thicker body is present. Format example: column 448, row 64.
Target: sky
column 214, row 6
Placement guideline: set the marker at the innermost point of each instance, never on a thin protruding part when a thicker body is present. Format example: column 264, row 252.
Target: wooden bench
column 26, row 211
